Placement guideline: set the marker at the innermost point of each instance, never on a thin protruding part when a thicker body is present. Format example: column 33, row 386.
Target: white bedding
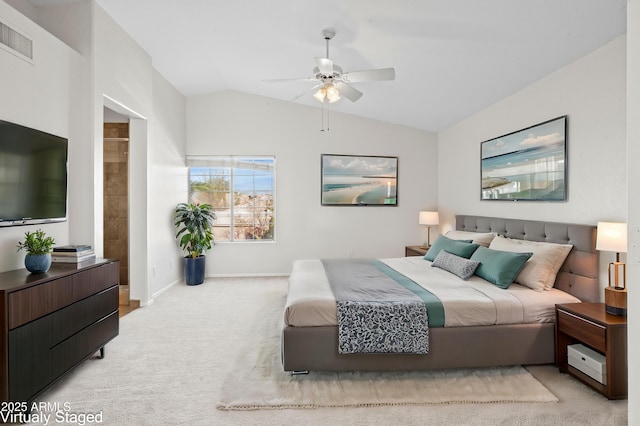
column 310, row 301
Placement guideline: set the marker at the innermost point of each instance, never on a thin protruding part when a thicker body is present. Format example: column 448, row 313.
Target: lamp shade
column 612, row 236
column 428, row 218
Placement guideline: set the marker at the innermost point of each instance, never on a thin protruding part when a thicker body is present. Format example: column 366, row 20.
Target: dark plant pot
column 37, row 263
column 194, row 270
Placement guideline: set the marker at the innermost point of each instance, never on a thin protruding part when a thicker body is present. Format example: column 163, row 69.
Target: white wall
column 167, row 182
column 237, row 123
column 113, row 71
column 592, row 92
column 41, row 95
column 124, row 73
column 63, row 21
column 633, row 177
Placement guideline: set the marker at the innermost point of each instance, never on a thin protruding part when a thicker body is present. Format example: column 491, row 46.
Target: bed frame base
column 315, row 349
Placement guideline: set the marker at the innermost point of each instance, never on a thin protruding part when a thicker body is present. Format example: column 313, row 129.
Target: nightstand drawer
column 584, row 330
column 590, row 362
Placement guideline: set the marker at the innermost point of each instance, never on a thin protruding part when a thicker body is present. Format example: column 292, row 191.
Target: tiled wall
column 116, row 198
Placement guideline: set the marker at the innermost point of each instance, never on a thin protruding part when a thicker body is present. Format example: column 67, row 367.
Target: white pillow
column 480, row 238
column 539, row 273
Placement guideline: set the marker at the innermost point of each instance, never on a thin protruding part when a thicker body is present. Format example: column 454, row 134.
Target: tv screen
column 33, row 176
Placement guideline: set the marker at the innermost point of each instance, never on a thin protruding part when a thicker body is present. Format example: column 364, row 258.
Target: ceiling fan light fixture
column 327, row 93
column 320, row 94
column 332, row 94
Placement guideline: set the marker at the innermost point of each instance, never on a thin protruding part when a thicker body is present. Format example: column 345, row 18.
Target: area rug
column 258, row 382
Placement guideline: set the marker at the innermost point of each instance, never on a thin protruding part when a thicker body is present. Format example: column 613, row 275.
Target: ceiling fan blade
column 370, row 75
column 325, row 65
column 317, row 86
column 282, row 80
column 348, row 91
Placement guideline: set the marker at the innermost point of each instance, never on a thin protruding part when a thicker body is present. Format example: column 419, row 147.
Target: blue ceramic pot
column 194, row 270
column 37, row 263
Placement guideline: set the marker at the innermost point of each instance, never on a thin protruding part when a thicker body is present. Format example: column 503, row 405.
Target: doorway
column 116, row 200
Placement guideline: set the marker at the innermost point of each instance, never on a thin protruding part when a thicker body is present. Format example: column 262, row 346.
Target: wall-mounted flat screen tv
column 33, row 176
column 359, row 180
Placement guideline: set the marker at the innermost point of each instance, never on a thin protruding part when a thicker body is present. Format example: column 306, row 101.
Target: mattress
column 474, row 302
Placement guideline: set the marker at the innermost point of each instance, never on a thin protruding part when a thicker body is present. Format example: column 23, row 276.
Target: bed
column 311, row 347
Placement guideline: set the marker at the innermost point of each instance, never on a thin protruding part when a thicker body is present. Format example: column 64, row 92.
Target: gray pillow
column 464, row 268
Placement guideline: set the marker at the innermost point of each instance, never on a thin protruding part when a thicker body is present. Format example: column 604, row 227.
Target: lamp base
column 615, row 301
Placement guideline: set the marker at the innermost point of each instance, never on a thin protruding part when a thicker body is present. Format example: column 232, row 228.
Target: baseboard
column 245, row 275
column 160, row 292
column 169, row 286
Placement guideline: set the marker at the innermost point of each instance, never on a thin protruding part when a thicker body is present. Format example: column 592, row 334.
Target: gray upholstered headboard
column 579, row 273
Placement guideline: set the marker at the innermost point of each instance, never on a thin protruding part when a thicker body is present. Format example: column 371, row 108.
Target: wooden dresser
column 52, row 322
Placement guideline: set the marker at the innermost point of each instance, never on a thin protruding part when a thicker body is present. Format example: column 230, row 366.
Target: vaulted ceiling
column 452, row 58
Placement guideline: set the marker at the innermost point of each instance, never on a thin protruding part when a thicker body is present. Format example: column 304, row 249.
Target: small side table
column 590, row 325
column 415, row 251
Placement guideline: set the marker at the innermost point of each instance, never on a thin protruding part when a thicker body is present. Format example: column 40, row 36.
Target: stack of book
column 72, row 254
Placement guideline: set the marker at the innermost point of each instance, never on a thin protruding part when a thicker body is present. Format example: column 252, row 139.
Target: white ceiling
column 452, row 58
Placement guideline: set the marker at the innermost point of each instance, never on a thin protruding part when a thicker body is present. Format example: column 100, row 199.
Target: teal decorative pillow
column 458, row 247
column 464, row 268
column 499, row 267
column 540, row 272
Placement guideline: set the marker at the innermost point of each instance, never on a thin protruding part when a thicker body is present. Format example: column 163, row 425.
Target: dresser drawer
column 586, row 331
column 35, row 302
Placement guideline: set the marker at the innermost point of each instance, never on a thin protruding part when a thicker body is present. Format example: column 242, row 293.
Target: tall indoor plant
column 38, row 246
column 194, row 222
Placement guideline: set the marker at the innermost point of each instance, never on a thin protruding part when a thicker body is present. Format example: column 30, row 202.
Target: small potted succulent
column 38, row 247
column 194, row 222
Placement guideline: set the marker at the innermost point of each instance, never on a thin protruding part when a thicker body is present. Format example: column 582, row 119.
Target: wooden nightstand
column 590, row 325
column 415, row 251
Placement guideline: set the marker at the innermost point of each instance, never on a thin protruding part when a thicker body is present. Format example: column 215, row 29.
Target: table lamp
column 429, row 219
column 612, row 236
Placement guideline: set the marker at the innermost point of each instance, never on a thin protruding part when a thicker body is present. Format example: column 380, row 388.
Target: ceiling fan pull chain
column 322, row 128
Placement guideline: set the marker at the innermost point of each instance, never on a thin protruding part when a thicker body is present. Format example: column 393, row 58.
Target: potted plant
column 38, row 247
column 194, row 222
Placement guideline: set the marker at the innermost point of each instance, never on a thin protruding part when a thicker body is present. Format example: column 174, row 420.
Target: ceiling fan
column 332, row 83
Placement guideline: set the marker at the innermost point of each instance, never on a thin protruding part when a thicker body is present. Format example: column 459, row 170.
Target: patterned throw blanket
column 378, row 309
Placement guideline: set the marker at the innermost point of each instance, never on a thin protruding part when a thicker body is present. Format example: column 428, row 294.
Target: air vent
column 17, row 43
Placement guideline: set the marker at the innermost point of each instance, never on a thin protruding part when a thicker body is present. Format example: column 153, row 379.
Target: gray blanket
column 375, row 313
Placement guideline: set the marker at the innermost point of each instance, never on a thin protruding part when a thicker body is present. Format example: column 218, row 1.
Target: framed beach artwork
column 363, row 180
column 527, row 165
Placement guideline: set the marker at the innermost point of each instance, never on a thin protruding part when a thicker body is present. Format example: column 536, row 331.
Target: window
column 242, row 192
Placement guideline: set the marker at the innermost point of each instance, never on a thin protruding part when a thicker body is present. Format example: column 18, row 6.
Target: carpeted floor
column 169, row 363
column 257, row 380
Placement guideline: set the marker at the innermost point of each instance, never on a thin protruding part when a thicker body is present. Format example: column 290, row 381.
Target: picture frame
column 526, row 165
column 358, row 180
